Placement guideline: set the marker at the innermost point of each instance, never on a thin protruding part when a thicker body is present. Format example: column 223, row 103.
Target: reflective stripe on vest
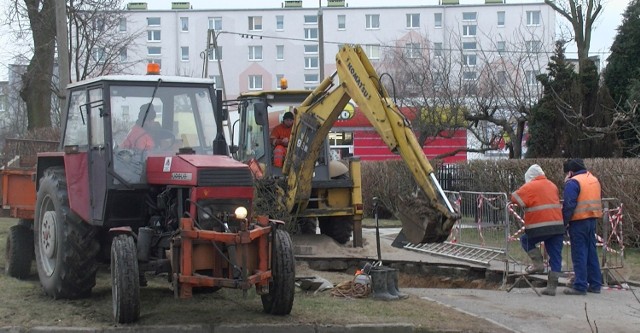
column 589, row 202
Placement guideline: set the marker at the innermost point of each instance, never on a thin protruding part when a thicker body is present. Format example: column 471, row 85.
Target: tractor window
column 253, row 136
column 76, row 129
column 97, row 123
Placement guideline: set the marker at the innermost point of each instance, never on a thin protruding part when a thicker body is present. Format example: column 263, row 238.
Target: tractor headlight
column 241, row 213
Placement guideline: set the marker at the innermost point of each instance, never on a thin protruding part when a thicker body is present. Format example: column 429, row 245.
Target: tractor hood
column 198, row 170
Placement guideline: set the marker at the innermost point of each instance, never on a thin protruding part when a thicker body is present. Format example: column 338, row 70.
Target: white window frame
column 122, row 54
column 311, row 19
column 469, row 46
column 502, row 18
column 534, row 18
column 466, row 30
column 213, row 54
column 255, row 52
column 342, row 22
column 311, row 49
column 255, row 23
column 469, row 75
column 215, row 23
column 150, row 54
column 413, row 50
column 437, row 49
column 279, row 22
column 311, row 78
column 154, row 36
column 184, row 53
column 311, row 62
column 217, row 81
column 184, row 24
column 255, row 82
column 310, row 32
column 151, row 21
column 372, row 21
column 533, row 46
column 470, row 60
column 279, row 77
column 501, row 78
column 372, row 51
column 122, row 24
column 530, row 77
column 469, row 16
column 279, row 52
column 437, row 20
column 501, row 46
column 413, row 21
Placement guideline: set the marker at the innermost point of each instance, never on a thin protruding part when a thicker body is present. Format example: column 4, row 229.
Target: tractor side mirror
column 260, row 110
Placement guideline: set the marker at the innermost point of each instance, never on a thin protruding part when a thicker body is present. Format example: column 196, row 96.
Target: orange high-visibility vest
column 543, row 211
column 589, row 202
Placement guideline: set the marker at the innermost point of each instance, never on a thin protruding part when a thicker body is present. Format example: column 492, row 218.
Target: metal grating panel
column 475, row 254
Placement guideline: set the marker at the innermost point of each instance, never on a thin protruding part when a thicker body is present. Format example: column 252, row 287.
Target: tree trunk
column 36, row 82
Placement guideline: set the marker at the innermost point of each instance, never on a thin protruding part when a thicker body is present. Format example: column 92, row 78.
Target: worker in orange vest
column 581, row 209
column 542, row 223
column 280, row 139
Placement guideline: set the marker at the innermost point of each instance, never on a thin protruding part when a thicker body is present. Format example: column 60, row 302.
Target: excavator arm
column 357, row 80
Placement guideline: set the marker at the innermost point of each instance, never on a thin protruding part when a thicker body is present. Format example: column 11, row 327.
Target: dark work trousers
column 584, row 255
column 552, row 244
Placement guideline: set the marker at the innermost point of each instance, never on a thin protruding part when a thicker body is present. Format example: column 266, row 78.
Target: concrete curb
column 234, row 328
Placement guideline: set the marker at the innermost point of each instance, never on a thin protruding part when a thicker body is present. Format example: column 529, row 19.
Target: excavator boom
column 432, row 220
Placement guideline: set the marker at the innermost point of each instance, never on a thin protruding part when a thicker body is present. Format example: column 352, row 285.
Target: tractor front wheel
column 125, row 280
column 279, row 300
column 19, row 251
column 65, row 246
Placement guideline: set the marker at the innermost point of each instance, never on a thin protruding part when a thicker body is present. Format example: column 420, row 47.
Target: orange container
column 19, row 192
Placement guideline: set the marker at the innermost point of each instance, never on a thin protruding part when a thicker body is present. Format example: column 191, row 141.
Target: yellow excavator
column 312, row 185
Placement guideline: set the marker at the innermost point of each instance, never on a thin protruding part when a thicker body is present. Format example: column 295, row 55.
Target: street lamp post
column 320, row 40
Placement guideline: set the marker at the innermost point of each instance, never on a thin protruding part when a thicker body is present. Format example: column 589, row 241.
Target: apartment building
column 256, row 47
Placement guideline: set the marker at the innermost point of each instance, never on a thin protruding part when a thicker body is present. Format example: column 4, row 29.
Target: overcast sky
column 603, row 34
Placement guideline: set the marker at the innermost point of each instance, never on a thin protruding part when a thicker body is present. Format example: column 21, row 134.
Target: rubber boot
column 392, row 283
column 379, row 285
column 552, row 284
column 537, row 265
column 571, row 291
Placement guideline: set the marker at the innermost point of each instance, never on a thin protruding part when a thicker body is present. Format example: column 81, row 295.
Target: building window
column 502, row 47
column 469, row 59
column 413, row 50
column 311, row 33
column 153, row 35
column 469, row 75
column 531, row 77
column 372, row 51
column 155, row 61
column 469, row 16
column 184, row 53
column 342, row 22
column 502, row 78
column 311, row 49
column 413, row 21
column 154, row 51
column 311, row 78
column 123, row 54
column 437, row 20
column 279, row 78
column 255, row 23
column 215, row 23
column 437, row 49
column 279, row 52
column 533, row 46
column 215, row 54
column 372, row 21
column 279, row 22
column 122, row 26
column 98, row 55
column 217, row 81
column 255, row 52
column 184, row 24
column 533, row 17
column 501, row 19
column 310, row 19
column 311, row 62
column 153, row 21
column 255, row 82
column 469, row 46
column 469, row 30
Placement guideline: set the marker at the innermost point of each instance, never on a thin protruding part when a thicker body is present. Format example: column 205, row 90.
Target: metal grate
column 475, row 254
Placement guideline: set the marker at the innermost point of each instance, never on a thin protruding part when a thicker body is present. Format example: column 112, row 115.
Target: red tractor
column 143, row 178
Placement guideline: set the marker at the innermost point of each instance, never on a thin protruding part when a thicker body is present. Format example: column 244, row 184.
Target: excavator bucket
column 423, row 221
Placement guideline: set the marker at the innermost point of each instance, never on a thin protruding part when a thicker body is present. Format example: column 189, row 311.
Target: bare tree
column 460, row 84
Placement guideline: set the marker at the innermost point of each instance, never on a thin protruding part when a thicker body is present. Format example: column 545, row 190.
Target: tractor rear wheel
column 279, row 300
column 19, row 251
column 65, row 246
column 125, row 280
column 339, row 228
